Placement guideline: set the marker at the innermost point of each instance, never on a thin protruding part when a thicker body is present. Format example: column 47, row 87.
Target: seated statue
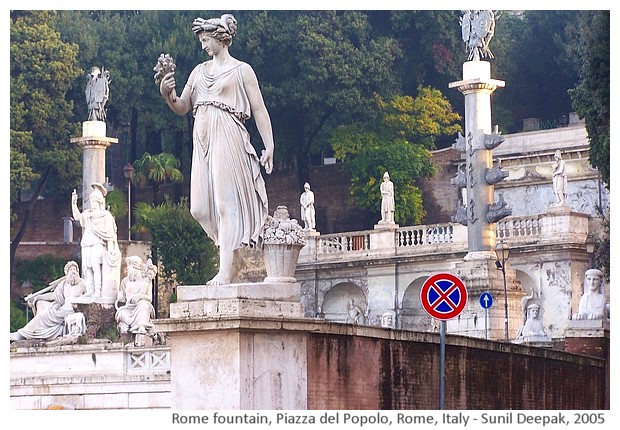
column 134, row 308
column 592, row 305
column 52, row 305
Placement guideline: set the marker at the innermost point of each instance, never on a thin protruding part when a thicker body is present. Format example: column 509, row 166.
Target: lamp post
column 501, row 251
column 128, row 171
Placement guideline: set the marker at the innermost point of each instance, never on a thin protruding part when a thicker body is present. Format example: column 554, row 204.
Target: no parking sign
column 443, row 296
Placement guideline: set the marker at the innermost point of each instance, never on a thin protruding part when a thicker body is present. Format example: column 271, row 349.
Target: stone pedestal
column 538, row 341
column 479, row 276
column 587, row 337
column 231, row 348
column 383, row 236
column 99, row 316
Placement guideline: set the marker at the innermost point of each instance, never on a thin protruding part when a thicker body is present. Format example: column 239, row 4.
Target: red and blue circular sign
column 443, row 296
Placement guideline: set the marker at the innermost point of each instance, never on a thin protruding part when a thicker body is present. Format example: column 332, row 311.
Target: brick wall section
column 592, row 346
column 334, row 211
column 46, row 220
column 69, row 251
column 439, row 195
column 364, row 373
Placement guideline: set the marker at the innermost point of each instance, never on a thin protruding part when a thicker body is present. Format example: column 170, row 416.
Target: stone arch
column 412, row 315
column 336, row 301
column 531, row 292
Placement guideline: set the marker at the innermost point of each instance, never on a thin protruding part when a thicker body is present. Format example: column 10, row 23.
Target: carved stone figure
column 97, row 93
column 387, row 200
column 460, row 216
column 532, row 326
column 477, row 29
column 136, row 295
column 354, row 313
column 559, row 179
column 306, row 200
column 387, row 320
column 227, row 193
column 460, row 180
column 52, row 305
column 496, row 174
column 592, row 304
column 498, row 209
column 99, row 243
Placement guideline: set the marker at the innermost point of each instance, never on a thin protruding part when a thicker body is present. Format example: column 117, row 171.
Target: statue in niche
column 559, row 179
column 532, row 325
column 592, row 305
column 387, row 200
column 477, row 30
column 97, row 93
column 99, row 243
column 308, row 213
column 355, row 315
column 228, row 194
column 53, row 308
column 134, row 307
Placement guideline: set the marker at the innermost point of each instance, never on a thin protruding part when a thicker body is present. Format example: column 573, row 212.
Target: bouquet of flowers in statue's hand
column 165, row 64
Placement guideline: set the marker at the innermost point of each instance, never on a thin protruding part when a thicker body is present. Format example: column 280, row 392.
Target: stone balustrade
column 553, row 226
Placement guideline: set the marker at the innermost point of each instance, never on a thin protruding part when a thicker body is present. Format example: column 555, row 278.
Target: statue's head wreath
column 223, row 28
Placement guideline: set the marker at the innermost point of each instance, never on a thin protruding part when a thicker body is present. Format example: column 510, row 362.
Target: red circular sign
column 443, row 296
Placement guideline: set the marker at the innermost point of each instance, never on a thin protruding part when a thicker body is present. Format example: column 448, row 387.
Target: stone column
column 93, row 143
column 477, row 86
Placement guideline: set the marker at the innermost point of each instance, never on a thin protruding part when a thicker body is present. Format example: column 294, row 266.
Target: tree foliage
column 591, row 96
column 531, row 60
column 316, row 70
column 180, row 244
column 156, row 170
column 398, row 141
column 42, row 70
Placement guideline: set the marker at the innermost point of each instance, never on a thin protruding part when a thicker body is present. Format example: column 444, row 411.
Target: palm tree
column 156, row 170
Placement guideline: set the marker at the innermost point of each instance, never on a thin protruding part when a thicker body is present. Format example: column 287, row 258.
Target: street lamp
column 128, row 171
column 501, row 251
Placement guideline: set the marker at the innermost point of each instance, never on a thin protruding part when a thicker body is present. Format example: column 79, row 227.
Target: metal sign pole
column 442, row 362
column 443, row 296
column 486, row 319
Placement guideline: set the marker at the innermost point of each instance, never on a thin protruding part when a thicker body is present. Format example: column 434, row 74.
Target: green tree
column 399, row 141
column 316, row 69
column 42, row 70
column 591, row 96
column 534, row 66
column 156, row 170
column 17, row 316
column 178, row 242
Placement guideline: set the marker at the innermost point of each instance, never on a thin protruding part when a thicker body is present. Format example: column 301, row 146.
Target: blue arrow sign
column 486, row 300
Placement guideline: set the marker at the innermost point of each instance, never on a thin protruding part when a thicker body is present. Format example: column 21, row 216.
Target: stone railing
column 520, row 227
column 425, row 235
column 558, row 226
column 343, row 243
column 148, row 360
